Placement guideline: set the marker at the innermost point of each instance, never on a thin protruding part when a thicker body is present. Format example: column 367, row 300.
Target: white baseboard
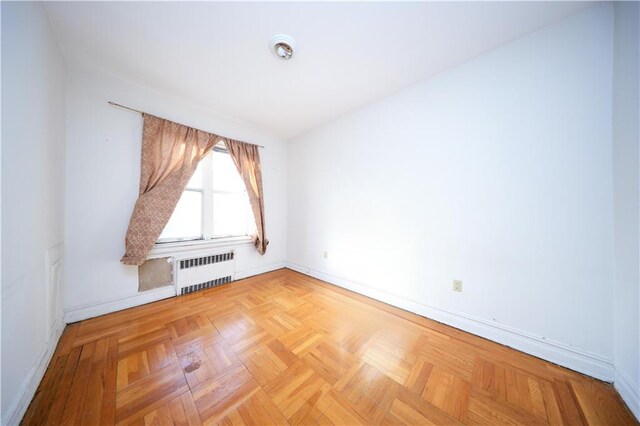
column 14, row 414
column 79, row 313
column 245, row 273
column 567, row 356
column 628, row 392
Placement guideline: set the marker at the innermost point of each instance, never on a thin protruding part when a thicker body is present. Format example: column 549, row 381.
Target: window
column 213, row 205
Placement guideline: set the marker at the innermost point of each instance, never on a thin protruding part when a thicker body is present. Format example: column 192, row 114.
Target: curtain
column 170, row 155
column 247, row 160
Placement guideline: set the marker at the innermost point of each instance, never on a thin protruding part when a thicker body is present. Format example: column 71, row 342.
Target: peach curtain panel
column 170, row 155
column 247, row 160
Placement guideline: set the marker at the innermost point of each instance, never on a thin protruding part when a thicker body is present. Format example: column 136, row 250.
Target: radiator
column 197, row 273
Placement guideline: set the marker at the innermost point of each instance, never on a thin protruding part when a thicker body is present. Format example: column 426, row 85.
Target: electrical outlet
column 457, row 285
column 326, row 254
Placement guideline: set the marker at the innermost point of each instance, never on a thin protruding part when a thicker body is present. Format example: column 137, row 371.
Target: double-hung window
column 214, row 204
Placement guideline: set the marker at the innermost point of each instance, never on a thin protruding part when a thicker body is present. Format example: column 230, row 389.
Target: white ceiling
column 349, row 54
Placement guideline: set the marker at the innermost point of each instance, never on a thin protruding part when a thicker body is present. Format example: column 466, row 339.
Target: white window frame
column 207, row 192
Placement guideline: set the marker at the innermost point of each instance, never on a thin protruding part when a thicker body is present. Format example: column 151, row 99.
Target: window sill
column 181, row 248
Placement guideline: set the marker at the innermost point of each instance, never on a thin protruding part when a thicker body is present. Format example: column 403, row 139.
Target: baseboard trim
column 83, row 312
column 559, row 353
column 246, row 273
column 14, row 414
column 629, row 394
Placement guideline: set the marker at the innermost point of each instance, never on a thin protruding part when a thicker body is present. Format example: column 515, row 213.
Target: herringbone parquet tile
column 283, row 348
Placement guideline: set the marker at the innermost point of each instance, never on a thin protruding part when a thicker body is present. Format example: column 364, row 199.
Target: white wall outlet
column 457, row 285
column 326, row 254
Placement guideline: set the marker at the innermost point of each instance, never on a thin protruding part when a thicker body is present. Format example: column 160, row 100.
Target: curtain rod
column 142, row 112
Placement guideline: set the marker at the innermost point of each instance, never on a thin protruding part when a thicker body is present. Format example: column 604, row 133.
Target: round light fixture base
column 282, row 46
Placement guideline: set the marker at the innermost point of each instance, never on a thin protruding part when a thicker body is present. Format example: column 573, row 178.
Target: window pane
column 186, row 221
column 225, row 174
column 231, row 215
column 196, row 179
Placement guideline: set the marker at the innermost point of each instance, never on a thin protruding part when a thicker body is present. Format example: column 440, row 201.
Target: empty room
column 332, row 213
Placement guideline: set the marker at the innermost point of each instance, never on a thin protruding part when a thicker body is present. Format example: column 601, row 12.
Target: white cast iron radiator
column 197, row 273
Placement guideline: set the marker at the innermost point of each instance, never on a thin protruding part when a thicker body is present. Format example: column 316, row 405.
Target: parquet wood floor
column 284, row 348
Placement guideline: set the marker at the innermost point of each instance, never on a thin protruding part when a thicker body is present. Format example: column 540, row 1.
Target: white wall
column 103, row 172
column 626, row 191
column 497, row 172
column 0, row 224
column 33, row 143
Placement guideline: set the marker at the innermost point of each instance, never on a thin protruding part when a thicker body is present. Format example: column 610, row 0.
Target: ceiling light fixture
column 282, row 46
